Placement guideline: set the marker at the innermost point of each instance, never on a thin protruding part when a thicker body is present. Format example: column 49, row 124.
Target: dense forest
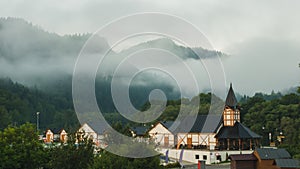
column 19, row 104
column 278, row 117
column 274, row 113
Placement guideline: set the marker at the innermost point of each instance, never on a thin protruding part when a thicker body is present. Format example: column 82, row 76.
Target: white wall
column 207, row 139
column 189, row 155
column 158, row 134
column 91, row 134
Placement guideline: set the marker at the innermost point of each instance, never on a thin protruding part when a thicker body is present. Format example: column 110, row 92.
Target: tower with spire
column 231, row 113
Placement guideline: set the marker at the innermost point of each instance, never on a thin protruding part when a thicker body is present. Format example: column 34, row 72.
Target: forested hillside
column 19, row 104
column 34, row 57
column 275, row 113
column 279, row 116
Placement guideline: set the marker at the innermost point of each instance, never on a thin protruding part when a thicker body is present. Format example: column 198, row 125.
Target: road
column 220, row 166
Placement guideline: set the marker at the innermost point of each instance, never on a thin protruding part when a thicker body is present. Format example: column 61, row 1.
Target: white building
column 211, row 138
column 86, row 131
column 201, row 135
column 161, row 134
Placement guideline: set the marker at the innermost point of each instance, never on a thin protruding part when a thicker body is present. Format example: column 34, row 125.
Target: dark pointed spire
column 231, row 100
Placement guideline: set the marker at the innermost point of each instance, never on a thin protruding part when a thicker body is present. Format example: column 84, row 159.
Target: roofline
column 197, row 133
column 157, row 123
column 88, row 126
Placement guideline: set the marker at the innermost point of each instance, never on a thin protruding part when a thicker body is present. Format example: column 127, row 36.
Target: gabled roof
column 272, row 154
column 95, row 127
column 235, row 132
column 48, row 131
column 287, row 163
column 99, row 128
column 203, row 124
column 63, row 131
column 231, row 100
column 242, row 157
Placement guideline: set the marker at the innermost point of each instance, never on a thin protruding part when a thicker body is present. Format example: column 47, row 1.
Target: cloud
column 224, row 22
column 263, row 64
column 261, row 36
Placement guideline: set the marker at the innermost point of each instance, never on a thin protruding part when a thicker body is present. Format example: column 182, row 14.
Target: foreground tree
column 71, row 155
column 20, row 148
column 107, row 160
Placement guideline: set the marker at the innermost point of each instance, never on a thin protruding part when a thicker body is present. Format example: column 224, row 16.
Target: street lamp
column 265, row 140
column 37, row 121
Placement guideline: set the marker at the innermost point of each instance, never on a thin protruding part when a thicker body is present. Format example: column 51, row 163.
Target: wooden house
column 264, row 158
column 287, row 163
column 274, row 159
column 243, row 161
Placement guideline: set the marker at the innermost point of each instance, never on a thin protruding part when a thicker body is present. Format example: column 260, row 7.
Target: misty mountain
column 31, row 55
column 35, row 57
column 181, row 51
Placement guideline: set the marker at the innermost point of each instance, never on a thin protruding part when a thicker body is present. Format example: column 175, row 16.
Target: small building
column 86, row 131
column 287, row 163
column 264, row 158
column 161, row 134
column 274, row 159
column 243, row 161
column 49, row 136
column 63, row 136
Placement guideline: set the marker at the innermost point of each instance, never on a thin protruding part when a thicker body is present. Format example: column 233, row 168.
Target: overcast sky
column 261, row 37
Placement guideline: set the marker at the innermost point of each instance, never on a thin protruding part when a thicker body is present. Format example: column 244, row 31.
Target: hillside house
column 86, row 131
column 63, row 136
column 49, row 136
column 161, row 134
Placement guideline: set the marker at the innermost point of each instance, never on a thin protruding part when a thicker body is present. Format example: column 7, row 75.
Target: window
column 196, row 156
column 219, row 157
column 204, row 157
